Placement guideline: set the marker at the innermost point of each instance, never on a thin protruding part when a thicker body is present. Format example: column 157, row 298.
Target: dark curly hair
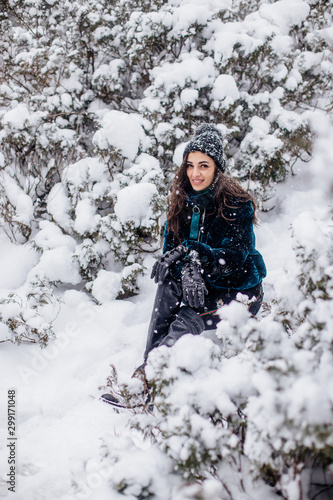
column 226, row 191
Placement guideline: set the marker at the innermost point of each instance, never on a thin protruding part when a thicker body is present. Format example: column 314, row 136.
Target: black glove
column 194, row 288
column 161, row 267
column 205, row 252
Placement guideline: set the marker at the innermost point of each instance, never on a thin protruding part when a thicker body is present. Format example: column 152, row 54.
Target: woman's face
column 200, row 170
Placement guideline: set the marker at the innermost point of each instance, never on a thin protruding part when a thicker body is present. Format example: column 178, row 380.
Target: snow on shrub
column 257, row 402
column 122, row 132
column 137, row 79
column 29, row 313
column 98, row 100
column 133, row 203
column 106, row 286
column 198, row 420
column 115, row 217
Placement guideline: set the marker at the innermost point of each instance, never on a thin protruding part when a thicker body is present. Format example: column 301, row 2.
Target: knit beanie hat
column 209, row 140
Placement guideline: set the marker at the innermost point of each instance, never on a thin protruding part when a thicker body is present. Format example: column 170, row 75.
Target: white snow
column 121, row 131
column 189, row 96
column 285, row 13
column 16, row 262
column 171, row 75
column 58, row 206
column 54, row 385
column 70, row 445
column 225, row 86
column 91, row 169
column 19, row 199
column 108, row 73
column 85, row 218
column 106, row 286
column 133, row 203
column 50, row 236
column 20, row 117
column 57, row 265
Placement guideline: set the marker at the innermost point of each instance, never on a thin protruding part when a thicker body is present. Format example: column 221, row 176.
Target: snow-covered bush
column 259, row 398
column 114, row 216
column 198, row 421
column 197, row 424
column 248, row 68
column 243, row 65
column 15, row 210
column 29, row 318
column 197, row 428
column 110, row 90
column 95, row 98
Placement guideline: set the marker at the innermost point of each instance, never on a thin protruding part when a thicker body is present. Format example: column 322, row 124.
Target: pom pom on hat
column 208, row 140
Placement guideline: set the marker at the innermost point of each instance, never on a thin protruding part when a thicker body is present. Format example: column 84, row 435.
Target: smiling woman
column 209, row 253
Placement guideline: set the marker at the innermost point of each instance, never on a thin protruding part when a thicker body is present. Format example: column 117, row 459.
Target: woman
column 209, row 253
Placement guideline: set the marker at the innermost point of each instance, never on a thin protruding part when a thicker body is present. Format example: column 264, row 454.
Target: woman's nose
column 196, row 171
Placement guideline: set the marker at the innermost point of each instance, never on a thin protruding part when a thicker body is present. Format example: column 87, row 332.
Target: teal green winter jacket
column 226, row 248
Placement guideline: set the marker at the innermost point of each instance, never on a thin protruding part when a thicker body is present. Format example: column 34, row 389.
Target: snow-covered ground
column 62, row 427
column 69, row 444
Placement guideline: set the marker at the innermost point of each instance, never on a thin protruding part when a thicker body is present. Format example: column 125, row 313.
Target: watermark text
column 11, row 440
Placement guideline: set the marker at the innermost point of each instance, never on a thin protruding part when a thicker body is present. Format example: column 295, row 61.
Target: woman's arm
column 169, row 242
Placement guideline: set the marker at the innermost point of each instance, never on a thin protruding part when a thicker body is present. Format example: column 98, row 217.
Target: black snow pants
column 171, row 319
